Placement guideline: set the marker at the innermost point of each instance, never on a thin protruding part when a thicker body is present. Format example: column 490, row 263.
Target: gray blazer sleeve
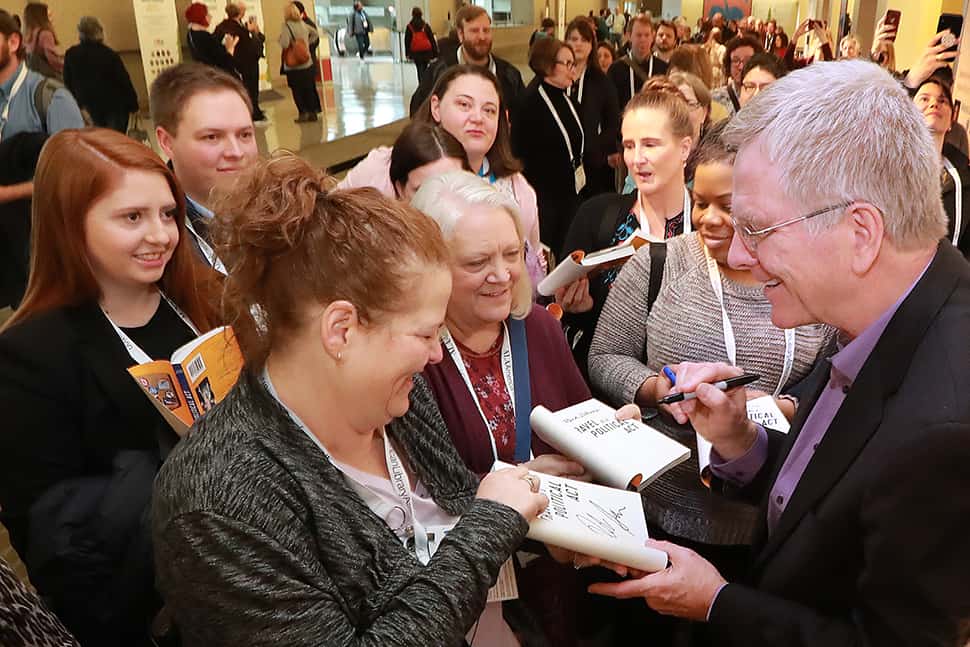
column 617, row 361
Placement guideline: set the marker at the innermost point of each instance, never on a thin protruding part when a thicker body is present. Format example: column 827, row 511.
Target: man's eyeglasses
column 569, row 64
column 751, row 237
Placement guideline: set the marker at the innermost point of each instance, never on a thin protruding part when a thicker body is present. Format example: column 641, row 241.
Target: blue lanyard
column 522, row 389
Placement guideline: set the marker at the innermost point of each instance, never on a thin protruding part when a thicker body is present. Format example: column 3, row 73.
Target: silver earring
column 340, row 356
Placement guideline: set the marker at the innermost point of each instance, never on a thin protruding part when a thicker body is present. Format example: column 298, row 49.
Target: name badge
column 580, row 178
column 506, row 588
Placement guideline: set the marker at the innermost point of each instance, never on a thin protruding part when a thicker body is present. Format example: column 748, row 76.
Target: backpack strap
column 658, row 260
column 43, row 96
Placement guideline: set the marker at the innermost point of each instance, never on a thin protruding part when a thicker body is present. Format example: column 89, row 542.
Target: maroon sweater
column 554, row 381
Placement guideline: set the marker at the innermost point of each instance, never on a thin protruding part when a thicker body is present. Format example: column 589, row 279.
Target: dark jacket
column 412, row 28
column 78, row 452
column 600, row 112
column 619, row 74
column 538, row 142
column 959, row 161
column 97, row 78
column 208, row 49
column 259, row 540
column 248, row 50
column 871, row 548
column 509, row 79
column 18, row 159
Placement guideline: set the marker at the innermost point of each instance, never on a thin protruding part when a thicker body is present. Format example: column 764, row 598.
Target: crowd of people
column 395, row 342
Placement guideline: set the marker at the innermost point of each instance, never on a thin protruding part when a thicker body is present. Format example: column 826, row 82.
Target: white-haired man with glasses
column 866, row 508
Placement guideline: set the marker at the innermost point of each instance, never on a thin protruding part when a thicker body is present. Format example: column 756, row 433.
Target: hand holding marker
column 723, row 385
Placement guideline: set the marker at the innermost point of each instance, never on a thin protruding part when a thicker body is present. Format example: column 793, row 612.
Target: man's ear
column 165, row 141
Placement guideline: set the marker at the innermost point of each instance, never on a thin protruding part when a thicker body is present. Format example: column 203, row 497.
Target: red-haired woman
column 112, row 284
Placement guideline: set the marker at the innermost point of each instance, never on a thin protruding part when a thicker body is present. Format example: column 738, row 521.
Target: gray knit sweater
column 685, row 325
column 260, row 541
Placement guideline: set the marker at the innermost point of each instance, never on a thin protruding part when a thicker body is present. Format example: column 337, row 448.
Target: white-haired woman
column 503, row 356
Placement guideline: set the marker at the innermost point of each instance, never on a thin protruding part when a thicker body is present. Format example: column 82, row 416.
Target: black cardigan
column 538, row 142
column 207, row 48
column 959, row 161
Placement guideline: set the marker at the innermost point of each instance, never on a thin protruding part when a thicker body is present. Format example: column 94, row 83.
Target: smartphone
column 892, row 20
column 952, row 22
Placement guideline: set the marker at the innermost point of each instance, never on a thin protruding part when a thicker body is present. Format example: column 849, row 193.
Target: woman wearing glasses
column 759, row 72
column 737, row 52
column 548, row 138
column 704, row 310
column 599, row 108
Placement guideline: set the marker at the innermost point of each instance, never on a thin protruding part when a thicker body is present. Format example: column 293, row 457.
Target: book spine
column 186, row 391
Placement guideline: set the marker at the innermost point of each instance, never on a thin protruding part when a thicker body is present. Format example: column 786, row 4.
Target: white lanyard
column 730, row 345
column 395, row 469
column 562, row 128
column 645, row 223
column 21, row 77
column 579, row 90
column 137, row 354
column 958, row 198
column 649, row 74
column 207, row 251
column 491, row 61
column 507, row 373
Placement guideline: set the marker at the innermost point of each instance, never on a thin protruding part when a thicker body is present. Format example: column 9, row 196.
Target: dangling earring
column 340, row 356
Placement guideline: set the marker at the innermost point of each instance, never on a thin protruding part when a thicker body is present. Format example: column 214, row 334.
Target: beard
column 4, row 57
column 477, row 50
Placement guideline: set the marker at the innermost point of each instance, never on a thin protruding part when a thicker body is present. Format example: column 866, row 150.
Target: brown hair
column 585, row 29
column 421, row 143
column 692, row 59
column 174, row 88
column 36, row 20
column 292, row 12
column 467, row 13
column 292, row 240
column 670, row 25
column 735, row 43
column 75, row 169
column 543, row 55
column 701, row 91
column 501, row 161
column 645, row 19
column 658, row 92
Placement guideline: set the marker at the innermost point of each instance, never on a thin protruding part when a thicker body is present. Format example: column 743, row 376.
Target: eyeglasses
column 751, row 86
column 693, row 105
column 751, row 237
column 739, row 61
column 569, row 64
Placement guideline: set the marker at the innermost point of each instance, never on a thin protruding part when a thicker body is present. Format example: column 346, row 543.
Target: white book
column 579, row 264
column 594, row 520
column 622, row 454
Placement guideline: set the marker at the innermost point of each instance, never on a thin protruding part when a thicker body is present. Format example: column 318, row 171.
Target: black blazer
column 69, row 407
column 509, row 79
column 872, row 547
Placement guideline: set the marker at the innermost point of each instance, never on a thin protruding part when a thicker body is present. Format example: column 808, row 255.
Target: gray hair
column 846, row 131
column 445, row 199
column 89, row 29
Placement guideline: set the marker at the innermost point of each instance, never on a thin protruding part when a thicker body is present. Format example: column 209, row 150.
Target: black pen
column 723, row 385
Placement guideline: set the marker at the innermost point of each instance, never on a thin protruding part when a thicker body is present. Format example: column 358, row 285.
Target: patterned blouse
column 485, row 373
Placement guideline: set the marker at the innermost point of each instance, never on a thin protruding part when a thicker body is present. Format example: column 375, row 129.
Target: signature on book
column 606, row 521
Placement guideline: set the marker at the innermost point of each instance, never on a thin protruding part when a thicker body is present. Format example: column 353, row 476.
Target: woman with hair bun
column 657, row 132
column 322, row 501
column 113, row 282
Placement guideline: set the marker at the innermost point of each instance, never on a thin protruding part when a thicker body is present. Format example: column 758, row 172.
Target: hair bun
column 662, row 85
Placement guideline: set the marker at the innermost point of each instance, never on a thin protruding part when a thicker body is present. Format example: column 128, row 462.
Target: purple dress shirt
column 846, row 365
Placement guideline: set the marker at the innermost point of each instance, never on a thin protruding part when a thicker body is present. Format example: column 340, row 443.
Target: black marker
column 723, row 385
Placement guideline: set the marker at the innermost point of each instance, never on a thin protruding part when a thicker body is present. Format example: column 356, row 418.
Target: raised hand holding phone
column 936, row 55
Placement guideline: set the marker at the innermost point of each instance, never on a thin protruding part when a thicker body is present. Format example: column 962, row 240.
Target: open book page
column 594, row 520
column 623, row 454
column 158, row 381
column 764, row 411
column 211, row 365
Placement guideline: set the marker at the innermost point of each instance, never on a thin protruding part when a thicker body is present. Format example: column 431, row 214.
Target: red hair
column 197, row 12
column 75, row 169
